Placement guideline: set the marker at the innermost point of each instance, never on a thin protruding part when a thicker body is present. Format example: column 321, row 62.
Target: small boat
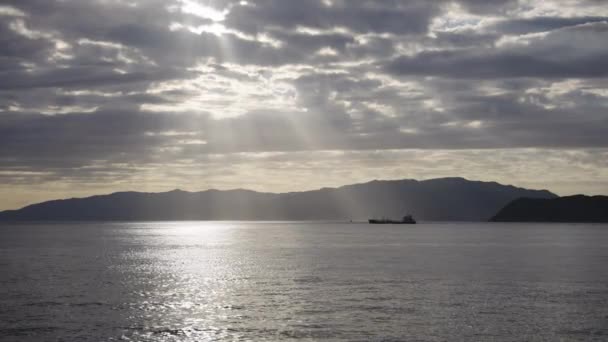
column 407, row 219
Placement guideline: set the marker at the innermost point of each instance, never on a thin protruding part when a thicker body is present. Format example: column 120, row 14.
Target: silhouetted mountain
column 577, row 208
column 439, row 199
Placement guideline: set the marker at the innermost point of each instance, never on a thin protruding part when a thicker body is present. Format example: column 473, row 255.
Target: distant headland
column 577, row 208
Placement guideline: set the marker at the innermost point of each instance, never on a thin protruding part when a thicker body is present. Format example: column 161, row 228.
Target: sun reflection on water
column 184, row 284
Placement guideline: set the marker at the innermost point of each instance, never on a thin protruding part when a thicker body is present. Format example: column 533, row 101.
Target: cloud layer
column 108, row 89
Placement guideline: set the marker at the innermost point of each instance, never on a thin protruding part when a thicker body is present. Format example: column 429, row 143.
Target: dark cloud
column 542, row 24
column 361, row 16
column 489, row 64
column 76, row 139
column 308, row 43
column 484, row 6
column 467, row 38
column 87, row 77
column 551, row 56
column 15, row 48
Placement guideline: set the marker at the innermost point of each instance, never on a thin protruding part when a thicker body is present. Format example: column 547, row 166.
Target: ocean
column 270, row 281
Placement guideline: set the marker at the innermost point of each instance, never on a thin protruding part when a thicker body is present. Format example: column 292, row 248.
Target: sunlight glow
column 10, row 12
column 193, row 7
column 215, row 92
column 215, row 28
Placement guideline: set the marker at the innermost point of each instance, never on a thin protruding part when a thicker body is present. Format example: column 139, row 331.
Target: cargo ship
column 407, row 219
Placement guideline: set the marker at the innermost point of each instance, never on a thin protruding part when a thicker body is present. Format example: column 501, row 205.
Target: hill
column 577, row 208
column 454, row 199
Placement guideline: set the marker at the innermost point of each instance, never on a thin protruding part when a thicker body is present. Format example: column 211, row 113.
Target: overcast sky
column 274, row 95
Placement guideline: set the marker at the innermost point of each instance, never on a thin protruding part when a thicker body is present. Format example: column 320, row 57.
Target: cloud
column 566, row 53
column 99, row 90
column 483, row 7
column 77, row 77
column 360, row 16
column 541, row 24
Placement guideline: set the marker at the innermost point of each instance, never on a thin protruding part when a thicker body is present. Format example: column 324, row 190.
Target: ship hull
column 372, row 221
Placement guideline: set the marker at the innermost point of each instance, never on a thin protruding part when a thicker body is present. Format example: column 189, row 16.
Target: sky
column 98, row 96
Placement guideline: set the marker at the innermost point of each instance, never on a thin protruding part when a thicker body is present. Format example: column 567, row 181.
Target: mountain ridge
column 453, row 198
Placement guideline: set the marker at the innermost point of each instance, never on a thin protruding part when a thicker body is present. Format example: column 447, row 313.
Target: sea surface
column 267, row 281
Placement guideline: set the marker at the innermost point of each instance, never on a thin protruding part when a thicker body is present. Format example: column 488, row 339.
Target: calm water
column 203, row 281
